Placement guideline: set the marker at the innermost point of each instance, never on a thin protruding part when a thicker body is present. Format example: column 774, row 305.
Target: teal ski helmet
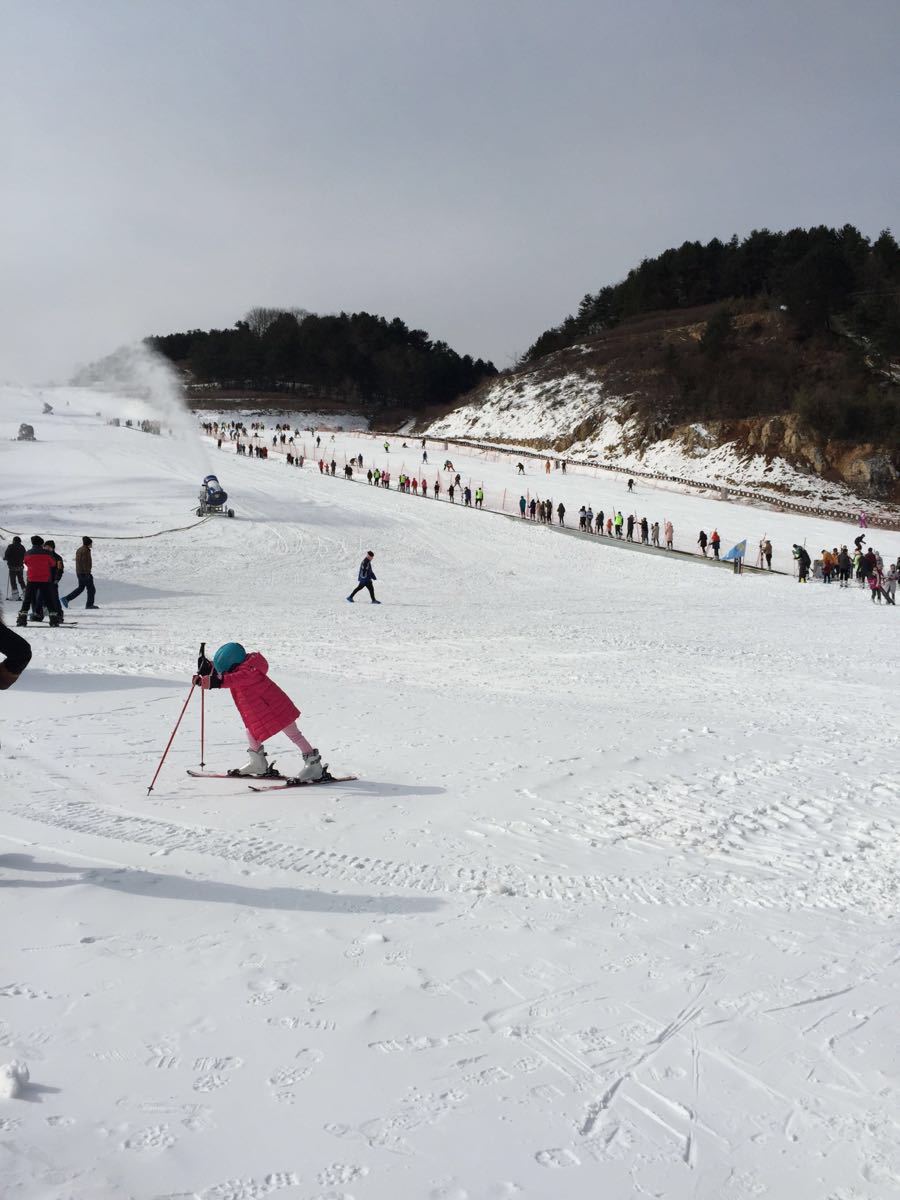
column 232, row 654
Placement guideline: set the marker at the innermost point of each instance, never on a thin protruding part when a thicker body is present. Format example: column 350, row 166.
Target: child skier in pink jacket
column 264, row 708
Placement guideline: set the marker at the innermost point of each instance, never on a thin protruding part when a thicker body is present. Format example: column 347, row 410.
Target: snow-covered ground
column 528, row 408
column 609, row 912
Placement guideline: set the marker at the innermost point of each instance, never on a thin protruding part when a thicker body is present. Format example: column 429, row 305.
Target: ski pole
column 171, row 739
column 201, row 659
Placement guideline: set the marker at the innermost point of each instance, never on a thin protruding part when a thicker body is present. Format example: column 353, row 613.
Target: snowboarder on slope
column 366, row 577
column 264, row 708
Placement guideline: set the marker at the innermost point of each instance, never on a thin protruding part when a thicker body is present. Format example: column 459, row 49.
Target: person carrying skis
column 767, row 553
column 366, row 577
column 264, row 708
column 14, row 557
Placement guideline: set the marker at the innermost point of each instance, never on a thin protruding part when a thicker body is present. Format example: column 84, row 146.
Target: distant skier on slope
column 366, row 577
column 264, row 708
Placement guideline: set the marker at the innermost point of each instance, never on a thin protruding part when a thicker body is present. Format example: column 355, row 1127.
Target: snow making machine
column 213, row 498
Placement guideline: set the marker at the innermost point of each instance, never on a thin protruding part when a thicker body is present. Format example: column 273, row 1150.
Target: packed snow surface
column 610, row 910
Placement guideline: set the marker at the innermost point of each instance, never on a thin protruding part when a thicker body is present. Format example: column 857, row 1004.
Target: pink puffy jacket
column 265, row 709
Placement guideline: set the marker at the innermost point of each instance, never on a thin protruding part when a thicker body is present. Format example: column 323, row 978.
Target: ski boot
column 55, row 620
column 313, row 768
column 256, row 765
column 22, row 619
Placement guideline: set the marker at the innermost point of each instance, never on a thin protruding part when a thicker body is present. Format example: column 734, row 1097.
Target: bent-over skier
column 264, row 708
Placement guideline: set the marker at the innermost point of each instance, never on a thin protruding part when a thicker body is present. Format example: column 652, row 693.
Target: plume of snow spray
column 147, row 387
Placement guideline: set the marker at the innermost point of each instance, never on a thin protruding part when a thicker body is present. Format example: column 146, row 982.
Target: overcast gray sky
column 473, row 168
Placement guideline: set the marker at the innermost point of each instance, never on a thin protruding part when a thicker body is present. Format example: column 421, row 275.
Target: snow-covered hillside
column 547, row 410
column 608, row 912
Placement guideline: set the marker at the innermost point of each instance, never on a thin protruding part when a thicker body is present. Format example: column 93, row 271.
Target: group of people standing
column 35, row 574
column 865, row 566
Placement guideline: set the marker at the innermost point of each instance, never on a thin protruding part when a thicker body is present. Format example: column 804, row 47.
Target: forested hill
column 356, row 358
column 820, row 275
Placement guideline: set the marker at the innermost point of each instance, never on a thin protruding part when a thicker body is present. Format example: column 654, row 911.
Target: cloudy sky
column 472, row 166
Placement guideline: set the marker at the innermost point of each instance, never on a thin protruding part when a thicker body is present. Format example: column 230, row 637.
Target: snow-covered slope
column 546, row 410
column 609, row 911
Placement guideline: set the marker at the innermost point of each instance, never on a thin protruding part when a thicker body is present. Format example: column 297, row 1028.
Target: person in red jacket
column 264, row 708
column 41, row 566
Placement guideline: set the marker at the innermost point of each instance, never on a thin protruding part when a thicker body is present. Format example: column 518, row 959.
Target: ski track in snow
column 609, row 911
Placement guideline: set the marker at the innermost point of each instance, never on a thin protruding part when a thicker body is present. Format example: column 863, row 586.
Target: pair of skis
column 282, row 783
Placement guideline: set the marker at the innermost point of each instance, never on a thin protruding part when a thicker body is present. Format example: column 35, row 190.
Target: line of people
column 614, row 524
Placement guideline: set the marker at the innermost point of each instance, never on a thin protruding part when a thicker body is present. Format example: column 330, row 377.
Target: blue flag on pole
column 738, row 551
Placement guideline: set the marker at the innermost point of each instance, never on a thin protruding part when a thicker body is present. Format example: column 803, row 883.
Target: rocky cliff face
column 868, row 470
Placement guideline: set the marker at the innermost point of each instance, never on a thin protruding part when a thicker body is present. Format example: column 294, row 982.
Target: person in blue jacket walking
column 366, row 578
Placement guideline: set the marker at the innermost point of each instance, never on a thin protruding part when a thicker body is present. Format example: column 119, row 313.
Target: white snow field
column 610, row 911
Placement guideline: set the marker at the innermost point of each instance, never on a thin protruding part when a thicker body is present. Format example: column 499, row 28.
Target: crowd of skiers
column 865, row 567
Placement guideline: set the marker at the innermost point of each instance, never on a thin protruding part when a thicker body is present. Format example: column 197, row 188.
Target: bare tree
column 260, row 318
